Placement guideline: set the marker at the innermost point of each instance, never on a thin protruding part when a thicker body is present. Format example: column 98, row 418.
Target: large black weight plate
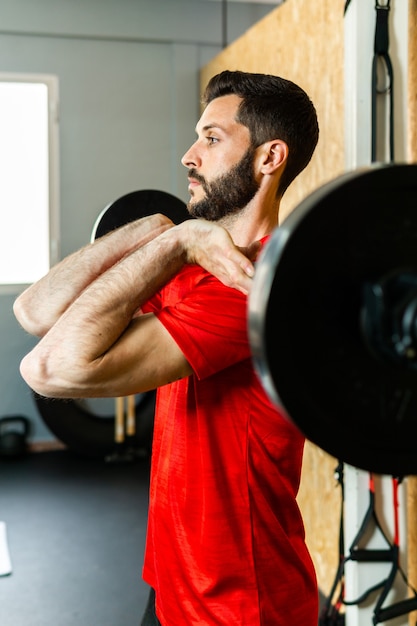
column 137, row 204
column 306, row 312
column 83, row 431
column 90, row 434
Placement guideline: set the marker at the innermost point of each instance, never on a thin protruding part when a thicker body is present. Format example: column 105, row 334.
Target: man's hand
column 210, row 245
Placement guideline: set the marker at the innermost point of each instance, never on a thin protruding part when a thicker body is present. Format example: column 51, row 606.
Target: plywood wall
column 303, row 41
column 412, row 80
column 412, row 157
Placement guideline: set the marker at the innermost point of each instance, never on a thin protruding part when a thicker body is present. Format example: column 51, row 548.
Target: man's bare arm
column 40, row 305
column 98, row 347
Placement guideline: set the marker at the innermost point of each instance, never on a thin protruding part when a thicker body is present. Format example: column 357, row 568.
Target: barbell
column 333, row 318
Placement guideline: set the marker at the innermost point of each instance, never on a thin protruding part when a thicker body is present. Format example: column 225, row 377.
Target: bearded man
column 225, row 541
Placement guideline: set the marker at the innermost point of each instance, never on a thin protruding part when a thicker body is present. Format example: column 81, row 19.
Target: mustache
column 192, row 173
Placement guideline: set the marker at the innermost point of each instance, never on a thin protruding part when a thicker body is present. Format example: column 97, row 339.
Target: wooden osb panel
column 303, row 41
column 412, row 538
column 412, row 157
column 412, row 80
column 320, row 500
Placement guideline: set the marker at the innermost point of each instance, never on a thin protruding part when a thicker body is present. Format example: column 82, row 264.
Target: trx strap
column 382, row 614
column 381, row 55
column 331, row 614
column 381, row 45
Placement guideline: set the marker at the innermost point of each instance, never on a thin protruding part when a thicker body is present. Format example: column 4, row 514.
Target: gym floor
column 76, row 535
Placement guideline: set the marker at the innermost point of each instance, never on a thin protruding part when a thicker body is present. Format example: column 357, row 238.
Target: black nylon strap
column 359, row 554
column 381, row 54
column 395, row 610
column 330, row 614
column 331, row 611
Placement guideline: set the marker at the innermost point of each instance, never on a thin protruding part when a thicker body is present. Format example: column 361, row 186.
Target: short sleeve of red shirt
column 204, row 317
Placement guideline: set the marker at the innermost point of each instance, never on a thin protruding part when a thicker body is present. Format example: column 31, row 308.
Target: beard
column 227, row 194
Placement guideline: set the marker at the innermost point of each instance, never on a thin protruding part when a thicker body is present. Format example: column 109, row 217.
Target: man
column 157, row 305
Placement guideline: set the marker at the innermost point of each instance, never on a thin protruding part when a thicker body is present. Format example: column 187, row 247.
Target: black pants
column 149, row 618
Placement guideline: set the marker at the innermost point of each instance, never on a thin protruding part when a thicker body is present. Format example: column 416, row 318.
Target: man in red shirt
column 157, row 305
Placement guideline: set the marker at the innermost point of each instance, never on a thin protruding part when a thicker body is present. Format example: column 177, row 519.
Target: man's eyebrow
column 212, row 125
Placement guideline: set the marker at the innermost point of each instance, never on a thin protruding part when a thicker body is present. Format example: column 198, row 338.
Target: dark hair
column 272, row 108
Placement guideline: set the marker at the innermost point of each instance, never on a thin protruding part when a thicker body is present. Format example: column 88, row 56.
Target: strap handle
column 381, row 47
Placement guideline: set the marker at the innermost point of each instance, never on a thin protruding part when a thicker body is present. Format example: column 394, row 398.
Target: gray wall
column 129, row 98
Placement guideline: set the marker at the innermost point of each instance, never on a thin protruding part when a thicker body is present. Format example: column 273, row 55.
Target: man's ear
column 274, row 155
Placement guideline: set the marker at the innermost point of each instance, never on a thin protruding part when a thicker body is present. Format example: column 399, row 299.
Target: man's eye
column 212, row 140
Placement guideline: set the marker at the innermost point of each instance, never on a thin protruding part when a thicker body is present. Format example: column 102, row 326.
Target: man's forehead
column 220, row 113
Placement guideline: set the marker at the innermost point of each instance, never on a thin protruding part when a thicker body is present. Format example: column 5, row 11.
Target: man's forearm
column 99, row 346
column 40, row 305
column 91, row 344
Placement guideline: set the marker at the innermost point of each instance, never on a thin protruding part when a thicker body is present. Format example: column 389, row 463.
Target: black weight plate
column 137, row 204
column 92, row 435
column 305, row 312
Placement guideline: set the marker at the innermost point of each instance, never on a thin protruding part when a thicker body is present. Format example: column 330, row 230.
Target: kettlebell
column 13, row 441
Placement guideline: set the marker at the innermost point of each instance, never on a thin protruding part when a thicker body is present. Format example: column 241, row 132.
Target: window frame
column 52, row 85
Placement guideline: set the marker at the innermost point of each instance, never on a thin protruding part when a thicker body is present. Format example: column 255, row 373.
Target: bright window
column 29, row 178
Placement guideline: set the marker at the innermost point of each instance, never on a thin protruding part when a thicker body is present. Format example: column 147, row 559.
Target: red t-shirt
column 225, row 542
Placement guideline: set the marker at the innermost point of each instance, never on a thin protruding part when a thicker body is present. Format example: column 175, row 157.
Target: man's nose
column 190, row 158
